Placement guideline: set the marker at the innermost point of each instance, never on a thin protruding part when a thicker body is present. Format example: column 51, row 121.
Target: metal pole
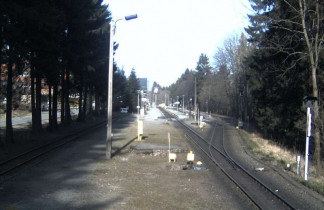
column 198, row 117
column 182, row 103
column 306, row 158
column 110, row 86
column 190, row 106
column 195, row 100
column 298, row 164
column 138, row 106
column 207, row 107
column 110, row 83
column 141, row 102
column 308, row 134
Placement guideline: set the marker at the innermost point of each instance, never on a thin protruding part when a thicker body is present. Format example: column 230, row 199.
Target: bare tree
column 306, row 22
column 232, row 55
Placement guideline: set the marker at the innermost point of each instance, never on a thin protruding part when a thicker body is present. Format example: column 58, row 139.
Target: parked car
column 124, row 110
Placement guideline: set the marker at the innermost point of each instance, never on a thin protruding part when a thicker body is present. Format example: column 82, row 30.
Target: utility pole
column 110, row 85
column 195, row 99
column 112, row 26
column 183, row 103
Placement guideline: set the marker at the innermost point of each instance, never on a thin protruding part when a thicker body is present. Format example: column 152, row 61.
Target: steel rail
column 38, row 147
column 13, row 163
column 24, row 158
column 54, row 141
column 231, row 161
column 254, row 177
column 209, row 154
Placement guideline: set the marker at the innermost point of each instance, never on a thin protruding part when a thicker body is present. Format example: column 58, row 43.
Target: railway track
column 10, row 166
column 257, row 191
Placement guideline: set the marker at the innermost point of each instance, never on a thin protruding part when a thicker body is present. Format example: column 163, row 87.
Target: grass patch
column 266, row 157
column 251, row 145
column 282, row 163
column 16, row 113
column 316, row 186
column 271, row 153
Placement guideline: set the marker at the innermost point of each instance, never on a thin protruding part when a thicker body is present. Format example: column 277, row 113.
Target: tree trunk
column 85, row 100
column 90, row 100
column 97, row 104
column 317, row 137
column 54, row 115
column 80, row 116
column 32, row 90
column 9, row 130
column 50, row 115
column 67, row 119
column 38, row 110
column 313, row 54
column 62, row 97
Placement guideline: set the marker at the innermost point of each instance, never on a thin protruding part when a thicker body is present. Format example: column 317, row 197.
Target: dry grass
column 279, row 157
column 16, row 113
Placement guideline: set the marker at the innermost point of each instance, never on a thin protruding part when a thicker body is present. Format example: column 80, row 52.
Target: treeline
column 263, row 78
column 63, row 45
column 220, row 87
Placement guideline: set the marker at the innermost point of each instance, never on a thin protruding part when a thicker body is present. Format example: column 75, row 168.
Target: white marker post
column 298, row 164
column 308, row 135
column 172, row 156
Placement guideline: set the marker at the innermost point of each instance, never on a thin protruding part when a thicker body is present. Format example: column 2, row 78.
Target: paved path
column 28, row 119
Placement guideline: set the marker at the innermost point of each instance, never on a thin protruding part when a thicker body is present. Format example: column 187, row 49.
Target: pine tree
column 11, row 48
column 133, row 87
column 203, row 71
column 288, row 36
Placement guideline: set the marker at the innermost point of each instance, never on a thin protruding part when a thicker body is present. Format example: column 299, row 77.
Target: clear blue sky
column 169, row 35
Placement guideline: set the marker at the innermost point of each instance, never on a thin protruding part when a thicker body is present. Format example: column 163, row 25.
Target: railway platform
column 140, row 175
column 79, row 176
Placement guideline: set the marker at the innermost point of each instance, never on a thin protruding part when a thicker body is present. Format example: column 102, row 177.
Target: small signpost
column 172, row 156
column 140, row 130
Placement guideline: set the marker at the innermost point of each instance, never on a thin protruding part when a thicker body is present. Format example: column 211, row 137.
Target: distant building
column 143, row 83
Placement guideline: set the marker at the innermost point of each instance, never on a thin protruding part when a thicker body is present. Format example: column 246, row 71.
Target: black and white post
column 308, row 135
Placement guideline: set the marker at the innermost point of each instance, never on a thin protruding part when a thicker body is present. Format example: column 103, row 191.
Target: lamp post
column 190, row 107
column 183, row 103
column 195, row 100
column 207, row 106
column 138, row 105
column 112, row 26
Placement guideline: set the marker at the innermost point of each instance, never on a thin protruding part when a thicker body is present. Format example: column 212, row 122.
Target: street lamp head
column 130, row 17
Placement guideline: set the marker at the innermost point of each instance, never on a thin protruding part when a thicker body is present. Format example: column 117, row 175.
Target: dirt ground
column 80, row 177
column 149, row 181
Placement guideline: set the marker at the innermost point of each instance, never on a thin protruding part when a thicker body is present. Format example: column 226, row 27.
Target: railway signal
column 308, row 135
column 308, row 102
